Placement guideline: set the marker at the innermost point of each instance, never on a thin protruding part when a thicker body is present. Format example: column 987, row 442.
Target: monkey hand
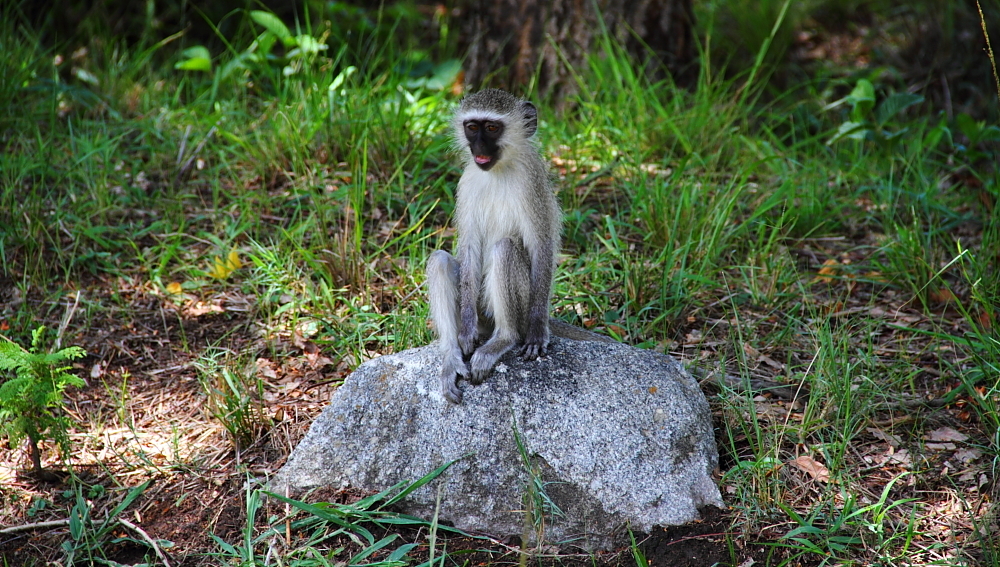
column 482, row 364
column 467, row 340
column 451, row 368
column 534, row 346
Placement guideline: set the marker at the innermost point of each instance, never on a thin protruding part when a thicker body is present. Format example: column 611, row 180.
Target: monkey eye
column 472, row 127
column 491, row 127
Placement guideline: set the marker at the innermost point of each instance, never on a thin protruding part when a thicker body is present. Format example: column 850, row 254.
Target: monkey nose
column 483, row 160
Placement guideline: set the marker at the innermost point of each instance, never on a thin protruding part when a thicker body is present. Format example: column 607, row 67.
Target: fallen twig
column 184, row 141
column 35, row 526
column 142, row 533
column 67, row 317
column 194, row 154
column 722, row 380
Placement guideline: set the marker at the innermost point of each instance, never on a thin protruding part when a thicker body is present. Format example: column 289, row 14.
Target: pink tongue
column 482, row 159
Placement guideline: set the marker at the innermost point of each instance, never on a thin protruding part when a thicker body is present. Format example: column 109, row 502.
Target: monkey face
column 484, row 141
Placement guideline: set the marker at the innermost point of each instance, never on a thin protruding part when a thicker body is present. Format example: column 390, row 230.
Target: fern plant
column 31, row 392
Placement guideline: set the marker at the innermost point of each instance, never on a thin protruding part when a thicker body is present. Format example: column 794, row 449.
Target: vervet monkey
column 495, row 295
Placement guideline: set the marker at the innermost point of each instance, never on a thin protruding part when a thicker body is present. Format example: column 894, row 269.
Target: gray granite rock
column 616, row 434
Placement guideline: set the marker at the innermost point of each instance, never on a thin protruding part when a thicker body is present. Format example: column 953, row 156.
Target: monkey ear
column 530, row 118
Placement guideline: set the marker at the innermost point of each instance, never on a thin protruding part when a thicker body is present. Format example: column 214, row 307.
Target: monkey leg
column 506, row 293
column 442, row 285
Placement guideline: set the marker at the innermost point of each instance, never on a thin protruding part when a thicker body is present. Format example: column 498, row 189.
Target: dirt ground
column 144, row 416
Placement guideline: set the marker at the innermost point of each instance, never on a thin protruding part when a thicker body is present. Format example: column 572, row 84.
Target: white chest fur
column 497, row 204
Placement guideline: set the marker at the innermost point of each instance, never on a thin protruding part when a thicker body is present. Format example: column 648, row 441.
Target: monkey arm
column 539, row 294
column 470, row 259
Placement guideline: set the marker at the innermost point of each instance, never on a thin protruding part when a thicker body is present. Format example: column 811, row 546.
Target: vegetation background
column 228, row 207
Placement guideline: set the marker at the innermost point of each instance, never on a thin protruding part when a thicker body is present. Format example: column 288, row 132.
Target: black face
column 483, row 136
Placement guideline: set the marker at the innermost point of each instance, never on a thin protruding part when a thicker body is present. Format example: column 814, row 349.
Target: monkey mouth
column 483, row 160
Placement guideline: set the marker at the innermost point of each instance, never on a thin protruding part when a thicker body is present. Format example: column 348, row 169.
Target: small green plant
column 835, row 531
column 975, row 148
column 978, row 134
column 37, row 505
column 90, row 536
column 29, row 401
column 915, row 261
column 234, row 398
column 637, row 553
column 360, row 521
column 300, row 52
column 870, row 122
column 537, row 503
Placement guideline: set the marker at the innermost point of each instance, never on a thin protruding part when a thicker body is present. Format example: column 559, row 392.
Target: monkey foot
column 482, row 364
column 451, row 391
column 451, row 368
column 531, row 351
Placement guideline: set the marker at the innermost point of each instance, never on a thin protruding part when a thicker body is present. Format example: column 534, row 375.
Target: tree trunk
column 508, row 40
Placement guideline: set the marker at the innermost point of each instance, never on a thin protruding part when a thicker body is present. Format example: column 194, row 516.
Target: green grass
column 716, row 223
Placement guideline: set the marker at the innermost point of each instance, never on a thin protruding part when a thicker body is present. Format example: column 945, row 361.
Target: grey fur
column 494, row 100
column 509, row 224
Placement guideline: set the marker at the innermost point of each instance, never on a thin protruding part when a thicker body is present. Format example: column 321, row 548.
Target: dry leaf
column 945, row 434
column 940, row 446
column 265, row 368
column 876, row 276
column 901, row 457
column 771, row 362
column 943, row 295
column 201, row 308
column 889, row 438
column 985, row 320
column 968, row 455
column 827, row 272
column 814, row 468
column 317, row 360
column 221, row 269
column 459, row 85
